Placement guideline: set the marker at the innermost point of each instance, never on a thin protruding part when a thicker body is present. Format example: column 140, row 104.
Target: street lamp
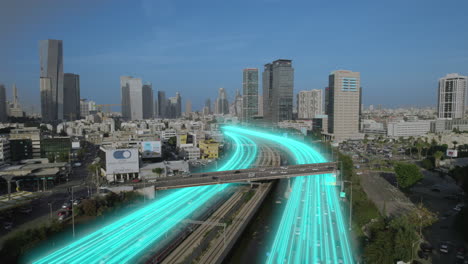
column 73, row 215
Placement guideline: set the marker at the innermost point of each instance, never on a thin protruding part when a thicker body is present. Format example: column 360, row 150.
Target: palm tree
column 437, row 156
column 419, row 147
column 411, row 142
column 454, row 144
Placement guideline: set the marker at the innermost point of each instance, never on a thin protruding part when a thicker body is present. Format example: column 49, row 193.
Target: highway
column 312, row 227
column 246, row 175
column 128, row 238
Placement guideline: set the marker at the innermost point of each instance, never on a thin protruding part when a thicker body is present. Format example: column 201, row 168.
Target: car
column 8, row 225
column 273, row 172
column 136, row 180
column 76, row 165
column 444, row 248
column 284, row 172
column 62, row 215
column 66, row 205
column 435, row 189
column 302, row 169
column 422, row 255
column 262, row 169
column 359, row 173
column 236, row 172
column 284, row 168
column 315, row 169
column 204, row 175
column 215, row 178
column 251, row 174
column 77, row 202
column 457, row 208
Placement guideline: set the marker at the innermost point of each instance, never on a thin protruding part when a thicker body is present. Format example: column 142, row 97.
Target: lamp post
column 73, row 215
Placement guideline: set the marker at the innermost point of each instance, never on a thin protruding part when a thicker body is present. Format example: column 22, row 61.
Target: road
column 128, row 238
column 312, row 227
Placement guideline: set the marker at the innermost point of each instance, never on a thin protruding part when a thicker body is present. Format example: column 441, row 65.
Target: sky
column 400, row 47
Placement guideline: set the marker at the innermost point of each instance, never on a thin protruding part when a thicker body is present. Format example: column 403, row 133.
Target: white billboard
column 453, row 153
column 76, row 145
column 122, row 161
column 151, row 149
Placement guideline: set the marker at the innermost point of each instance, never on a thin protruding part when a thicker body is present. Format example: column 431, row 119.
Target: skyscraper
column 51, row 79
column 148, row 96
column 237, row 105
column 132, row 98
column 222, row 102
column 162, row 102
column 278, row 86
column 3, row 104
column 71, row 98
column 15, row 107
column 208, row 105
column 344, row 104
column 309, row 104
column 250, row 94
column 452, row 96
column 188, row 107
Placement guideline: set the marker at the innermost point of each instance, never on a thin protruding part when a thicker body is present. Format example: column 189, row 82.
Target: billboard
column 76, row 145
column 453, row 153
column 151, row 149
column 122, row 161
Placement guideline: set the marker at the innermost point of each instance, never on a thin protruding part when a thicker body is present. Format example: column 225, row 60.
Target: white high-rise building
column 132, row 98
column 309, row 104
column 452, row 96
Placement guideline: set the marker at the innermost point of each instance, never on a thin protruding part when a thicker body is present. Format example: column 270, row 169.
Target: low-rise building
column 209, row 149
column 408, row 129
column 119, row 164
column 32, row 133
column 448, row 125
column 190, row 153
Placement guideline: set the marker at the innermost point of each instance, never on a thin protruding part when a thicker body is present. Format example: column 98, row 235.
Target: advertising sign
column 151, row 149
column 76, row 145
column 122, row 161
column 453, row 153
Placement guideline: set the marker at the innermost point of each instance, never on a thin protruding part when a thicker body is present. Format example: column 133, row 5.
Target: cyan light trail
column 312, row 228
column 127, row 238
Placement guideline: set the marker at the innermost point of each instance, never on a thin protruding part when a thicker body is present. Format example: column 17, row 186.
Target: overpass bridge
column 244, row 175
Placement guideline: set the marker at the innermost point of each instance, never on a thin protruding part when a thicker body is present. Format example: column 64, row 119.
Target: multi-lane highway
column 312, row 227
column 129, row 237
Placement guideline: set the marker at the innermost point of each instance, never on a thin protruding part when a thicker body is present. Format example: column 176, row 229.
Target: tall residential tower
column 452, row 96
column 250, row 94
column 71, row 98
column 132, row 98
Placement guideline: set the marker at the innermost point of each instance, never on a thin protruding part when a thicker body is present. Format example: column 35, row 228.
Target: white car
column 77, row 165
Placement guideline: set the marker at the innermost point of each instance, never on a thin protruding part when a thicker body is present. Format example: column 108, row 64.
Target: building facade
column 71, row 90
column 449, row 125
column 222, row 103
column 162, row 102
column 452, row 96
column 148, row 107
column 278, row 86
column 408, row 129
column 249, row 94
column 344, row 104
column 51, row 79
column 309, row 104
column 3, row 104
column 132, row 98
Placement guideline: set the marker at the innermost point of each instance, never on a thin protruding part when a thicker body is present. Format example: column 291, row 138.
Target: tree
column 381, row 248
column 172, row 141
column 427, row 164
column 158, row 171
column 454, row 144
column 407, row 174
column 437, row 156
column 419, row 147
column 89, row 207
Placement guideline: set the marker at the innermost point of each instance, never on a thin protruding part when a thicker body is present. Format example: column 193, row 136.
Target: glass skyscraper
column 250, row 94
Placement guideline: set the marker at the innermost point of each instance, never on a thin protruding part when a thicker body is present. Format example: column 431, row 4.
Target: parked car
column 251, row 174
column 62, row 215
column 78, row 164
column 76, row 201
column 426, row 247
column 444, row 248
column 8, row 225
column 66, row 205
column 136, row 180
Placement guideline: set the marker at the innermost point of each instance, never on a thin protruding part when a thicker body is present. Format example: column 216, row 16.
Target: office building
column 3, row 104
column 162, row 102
column 449, row 125
column 452, row 96
column 15, row 108
column 237, row 105
column 4, row 150
column 309, row 104
column 87, row 107
column 260, row 106
column 21, row 149
column 132, row 98
column 249, row 94
column 408, row 129
column 148, row 97
column 28, row 133
column 51, row 79
column 71, row 91
column 278, row 86
column 344, row 101
column 222, row 103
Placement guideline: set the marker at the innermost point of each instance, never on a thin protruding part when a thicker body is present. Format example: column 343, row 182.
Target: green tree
column 407, row 174
column 427, row 164
column 158, row 171
column 419, row 147
column 381, row 248
column 172, row 141
column 89, row 207
column 437, row 156
column 454, row 144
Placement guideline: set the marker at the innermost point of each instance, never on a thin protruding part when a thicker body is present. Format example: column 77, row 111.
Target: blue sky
column 401, row 48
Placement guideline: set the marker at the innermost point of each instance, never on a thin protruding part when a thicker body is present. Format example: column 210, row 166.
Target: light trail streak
column 127, row 238
column 312, row 227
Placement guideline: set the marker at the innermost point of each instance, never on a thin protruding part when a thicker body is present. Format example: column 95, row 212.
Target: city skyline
column 417, row 58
